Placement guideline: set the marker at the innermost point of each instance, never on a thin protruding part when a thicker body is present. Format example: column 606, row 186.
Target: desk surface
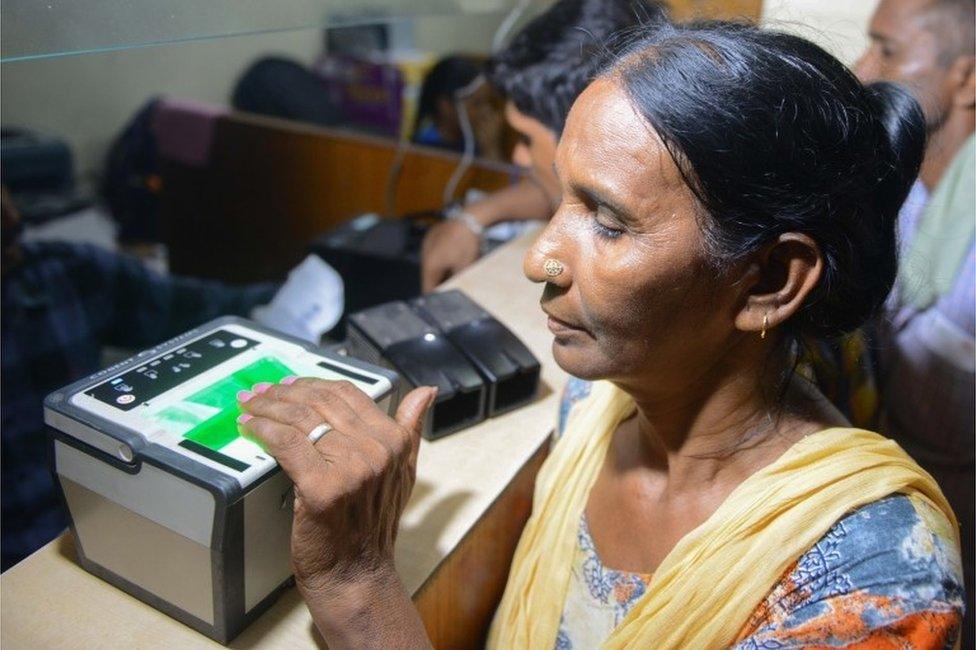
column 48, row 601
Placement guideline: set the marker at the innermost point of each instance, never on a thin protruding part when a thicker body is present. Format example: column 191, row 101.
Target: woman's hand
column 350, row 489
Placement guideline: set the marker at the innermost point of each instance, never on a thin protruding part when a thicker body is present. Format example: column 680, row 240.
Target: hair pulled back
column 774, row 135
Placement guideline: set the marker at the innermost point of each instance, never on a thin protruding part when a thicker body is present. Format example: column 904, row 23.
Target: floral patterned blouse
column 885, row 576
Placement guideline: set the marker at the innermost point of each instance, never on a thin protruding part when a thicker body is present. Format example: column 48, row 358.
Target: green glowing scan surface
column 209, row 416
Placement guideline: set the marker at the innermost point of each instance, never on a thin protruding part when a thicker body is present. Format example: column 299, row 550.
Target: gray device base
column 186, row 540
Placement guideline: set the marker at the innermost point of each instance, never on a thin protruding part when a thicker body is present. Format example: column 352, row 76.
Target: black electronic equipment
column 510, row 370
column 35, row 162
column 38, row 171
column 378, row 259
column 394, row 335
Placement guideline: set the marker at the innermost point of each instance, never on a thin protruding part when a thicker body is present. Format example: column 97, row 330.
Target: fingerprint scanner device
column 167, row 501
column 395, row 335
column 509, row 369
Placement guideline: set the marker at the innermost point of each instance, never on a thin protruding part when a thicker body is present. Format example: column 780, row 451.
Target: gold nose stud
column 552, row 267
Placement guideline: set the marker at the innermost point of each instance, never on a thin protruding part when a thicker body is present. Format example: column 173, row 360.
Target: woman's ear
column 962, row 75
column 779, row 279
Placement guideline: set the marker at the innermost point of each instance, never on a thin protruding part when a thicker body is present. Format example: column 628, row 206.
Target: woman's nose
column 547, row 259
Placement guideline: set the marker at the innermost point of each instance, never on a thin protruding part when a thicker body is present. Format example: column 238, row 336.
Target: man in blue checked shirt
column 62, row 303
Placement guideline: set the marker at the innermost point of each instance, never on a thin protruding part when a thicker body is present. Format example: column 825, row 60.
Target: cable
column 467, row 158
column 466, row 131
column 507, row 24
column 393, row 177
column 467, row 134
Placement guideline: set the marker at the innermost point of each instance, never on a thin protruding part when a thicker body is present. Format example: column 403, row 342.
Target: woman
column 724, row 191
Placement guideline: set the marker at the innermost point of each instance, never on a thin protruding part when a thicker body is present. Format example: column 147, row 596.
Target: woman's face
column 636, row 301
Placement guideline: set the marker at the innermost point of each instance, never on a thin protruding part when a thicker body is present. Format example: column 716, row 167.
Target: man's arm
column 147, row 307
column 451, row 245
column 526, row 200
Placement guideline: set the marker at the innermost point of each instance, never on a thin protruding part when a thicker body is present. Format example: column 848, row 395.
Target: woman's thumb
column 413, row 409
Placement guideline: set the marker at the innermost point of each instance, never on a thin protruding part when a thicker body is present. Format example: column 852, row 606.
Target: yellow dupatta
column 707, row 587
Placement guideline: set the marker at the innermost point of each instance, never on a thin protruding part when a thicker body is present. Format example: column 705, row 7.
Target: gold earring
column 762, row 334
column 552, row 267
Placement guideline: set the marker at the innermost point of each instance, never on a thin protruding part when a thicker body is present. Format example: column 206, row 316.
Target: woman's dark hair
column 553, row 58
column 774, row 135
column 449, row 75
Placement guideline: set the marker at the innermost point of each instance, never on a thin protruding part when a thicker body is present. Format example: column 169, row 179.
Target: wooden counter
column 472, row 495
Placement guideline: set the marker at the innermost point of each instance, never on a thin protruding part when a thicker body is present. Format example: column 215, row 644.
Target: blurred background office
column 186, row 162
column 203, row 155
column 368, row 77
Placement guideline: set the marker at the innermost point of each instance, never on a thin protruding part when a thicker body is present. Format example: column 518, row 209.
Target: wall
column 839, row 26
column 89, row 98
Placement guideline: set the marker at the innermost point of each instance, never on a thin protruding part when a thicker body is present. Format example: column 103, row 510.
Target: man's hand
column 448, row 247
column 451, row 246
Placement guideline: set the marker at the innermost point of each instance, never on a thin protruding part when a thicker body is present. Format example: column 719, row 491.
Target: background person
column 927, row 338
column 62, row 304
column 702, row 494
column 540, row 73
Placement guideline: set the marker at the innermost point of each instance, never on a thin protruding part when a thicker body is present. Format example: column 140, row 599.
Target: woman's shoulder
column 889, row 567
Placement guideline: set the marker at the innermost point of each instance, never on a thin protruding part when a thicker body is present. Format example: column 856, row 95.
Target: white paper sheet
column 309, row 304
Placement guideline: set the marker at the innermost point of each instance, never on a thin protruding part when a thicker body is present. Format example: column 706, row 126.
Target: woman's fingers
column 289, row 446
column 296, row 413
column 308, row 403
column 345, row 397
column 323, row 405
column 352, row 485
column 357, row 401
column 368, row 433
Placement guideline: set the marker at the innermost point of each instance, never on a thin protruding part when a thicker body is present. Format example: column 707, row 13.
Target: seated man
column 926, row 341
column 541, row 72
column 62, row 303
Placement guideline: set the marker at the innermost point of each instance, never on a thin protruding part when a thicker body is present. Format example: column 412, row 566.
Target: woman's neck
column 723, row 428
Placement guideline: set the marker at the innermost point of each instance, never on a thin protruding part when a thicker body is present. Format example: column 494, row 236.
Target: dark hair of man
column 954, row 24
column 448, row 75
column 552, row 59
column 774, row 135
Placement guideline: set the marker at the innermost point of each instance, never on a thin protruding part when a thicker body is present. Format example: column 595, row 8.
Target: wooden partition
column 725, row 9
column 270, row 186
